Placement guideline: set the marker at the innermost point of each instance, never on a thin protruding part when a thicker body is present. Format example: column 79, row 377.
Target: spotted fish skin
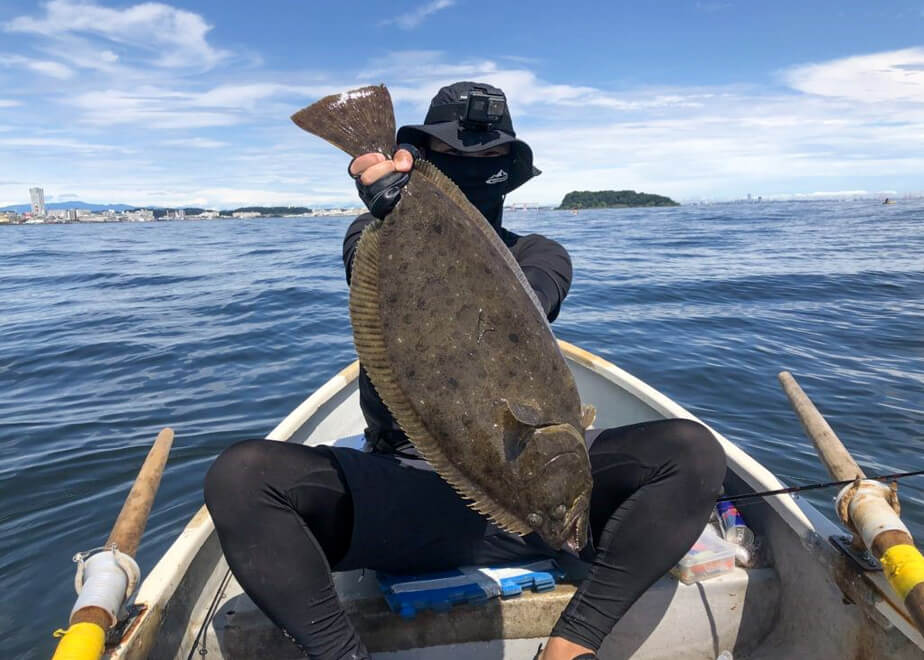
column 456, row 345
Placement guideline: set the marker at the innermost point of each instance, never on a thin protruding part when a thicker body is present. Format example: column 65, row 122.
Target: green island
column 601, row 199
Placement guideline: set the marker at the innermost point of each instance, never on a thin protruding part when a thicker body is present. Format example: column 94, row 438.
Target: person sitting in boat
column 288, row 514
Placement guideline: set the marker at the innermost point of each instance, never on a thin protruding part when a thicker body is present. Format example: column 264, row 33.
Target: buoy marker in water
column 870, row 509
column 107, row 577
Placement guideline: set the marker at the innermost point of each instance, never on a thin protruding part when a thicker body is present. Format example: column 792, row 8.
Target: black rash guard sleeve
column 547, row 267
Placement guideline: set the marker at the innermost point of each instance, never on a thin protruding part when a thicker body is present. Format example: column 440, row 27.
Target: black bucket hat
column 444, row 122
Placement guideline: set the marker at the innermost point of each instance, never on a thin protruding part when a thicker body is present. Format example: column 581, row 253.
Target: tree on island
column 599, row 199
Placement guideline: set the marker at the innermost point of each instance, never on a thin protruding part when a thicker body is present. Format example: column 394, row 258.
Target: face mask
column 483, row 180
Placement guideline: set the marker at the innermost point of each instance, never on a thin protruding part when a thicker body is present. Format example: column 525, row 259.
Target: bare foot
column 559, row 648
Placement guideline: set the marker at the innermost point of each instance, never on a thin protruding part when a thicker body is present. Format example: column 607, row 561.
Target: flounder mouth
column 575, row 540
column 577, row 527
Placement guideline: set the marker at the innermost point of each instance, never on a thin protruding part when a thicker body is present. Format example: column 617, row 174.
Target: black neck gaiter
column 483, row 180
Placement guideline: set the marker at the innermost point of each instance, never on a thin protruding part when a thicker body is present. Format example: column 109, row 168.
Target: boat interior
column 788, row 606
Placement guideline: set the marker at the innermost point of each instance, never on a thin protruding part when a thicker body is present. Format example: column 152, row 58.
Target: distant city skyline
column 186, row 104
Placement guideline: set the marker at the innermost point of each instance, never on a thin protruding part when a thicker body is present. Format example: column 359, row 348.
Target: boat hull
column 793, row 608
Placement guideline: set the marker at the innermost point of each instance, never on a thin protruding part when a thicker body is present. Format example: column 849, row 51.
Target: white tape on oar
column 105, row 579
column 870, row 510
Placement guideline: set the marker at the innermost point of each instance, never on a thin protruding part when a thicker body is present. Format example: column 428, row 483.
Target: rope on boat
column 828, row 484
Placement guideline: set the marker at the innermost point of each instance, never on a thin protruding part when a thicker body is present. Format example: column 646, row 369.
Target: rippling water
column 110, row 332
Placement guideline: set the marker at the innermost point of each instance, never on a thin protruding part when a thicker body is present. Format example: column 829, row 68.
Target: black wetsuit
column 286, row 513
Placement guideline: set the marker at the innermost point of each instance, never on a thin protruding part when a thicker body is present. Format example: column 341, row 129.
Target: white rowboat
column 811, row 601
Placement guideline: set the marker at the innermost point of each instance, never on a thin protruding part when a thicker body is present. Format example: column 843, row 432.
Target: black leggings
column 285, row 512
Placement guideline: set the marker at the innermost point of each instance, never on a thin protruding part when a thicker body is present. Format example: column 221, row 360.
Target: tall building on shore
column 38, row 201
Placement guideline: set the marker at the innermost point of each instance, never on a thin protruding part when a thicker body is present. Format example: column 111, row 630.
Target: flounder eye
column 559, row 512
column 534, row 520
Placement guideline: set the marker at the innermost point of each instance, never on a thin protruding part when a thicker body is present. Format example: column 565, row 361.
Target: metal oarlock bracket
column 862, row 559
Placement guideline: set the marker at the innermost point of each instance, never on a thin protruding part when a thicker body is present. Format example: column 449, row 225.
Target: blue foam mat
column 409, row 594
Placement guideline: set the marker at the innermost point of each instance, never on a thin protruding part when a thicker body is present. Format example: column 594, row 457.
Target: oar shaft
column 129, row 526
column 830, row 449
column 85, row 638
column 866, row 506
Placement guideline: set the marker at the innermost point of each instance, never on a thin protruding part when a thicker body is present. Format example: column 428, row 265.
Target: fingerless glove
column 381, row 196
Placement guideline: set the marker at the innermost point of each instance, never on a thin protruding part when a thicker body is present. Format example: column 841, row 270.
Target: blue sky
column 187, row 103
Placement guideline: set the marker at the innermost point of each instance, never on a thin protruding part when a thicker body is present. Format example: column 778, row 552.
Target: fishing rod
column 829, row 484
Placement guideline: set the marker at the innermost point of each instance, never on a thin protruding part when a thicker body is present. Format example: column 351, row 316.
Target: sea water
column 220, row 328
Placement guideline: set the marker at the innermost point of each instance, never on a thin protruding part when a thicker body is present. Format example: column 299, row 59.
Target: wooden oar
column 86, row 637
column 868, row 508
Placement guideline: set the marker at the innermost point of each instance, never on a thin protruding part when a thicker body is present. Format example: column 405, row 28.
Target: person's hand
column 379, row 179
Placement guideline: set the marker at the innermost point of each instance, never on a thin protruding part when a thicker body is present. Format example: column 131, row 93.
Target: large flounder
column 454, row 341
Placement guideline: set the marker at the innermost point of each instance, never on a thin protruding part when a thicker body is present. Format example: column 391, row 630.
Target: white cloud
column 414, row 18
column 896, row 75
column 423, row 72
column 247, row 95
column 224, row 105
column 197, row 143
column 150, row 107
column 43, row 143
column 45, row 67
column 53, row 69
column 8, row 103
column 177, row 37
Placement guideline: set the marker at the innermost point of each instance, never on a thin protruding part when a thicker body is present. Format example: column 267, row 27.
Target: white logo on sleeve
column 498, row 177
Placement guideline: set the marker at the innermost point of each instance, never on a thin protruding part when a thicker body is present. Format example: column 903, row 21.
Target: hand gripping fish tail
column 456, row 344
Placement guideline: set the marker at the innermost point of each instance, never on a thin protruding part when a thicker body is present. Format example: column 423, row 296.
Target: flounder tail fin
column 359, row 121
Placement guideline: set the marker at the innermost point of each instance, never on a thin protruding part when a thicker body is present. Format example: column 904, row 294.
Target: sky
column 188, row 103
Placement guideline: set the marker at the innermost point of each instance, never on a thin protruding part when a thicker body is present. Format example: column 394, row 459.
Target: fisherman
column 288, row 514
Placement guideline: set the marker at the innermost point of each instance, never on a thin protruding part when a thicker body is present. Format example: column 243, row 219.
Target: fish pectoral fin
column 524, row 413
column 517, row 424
column 588, row 415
